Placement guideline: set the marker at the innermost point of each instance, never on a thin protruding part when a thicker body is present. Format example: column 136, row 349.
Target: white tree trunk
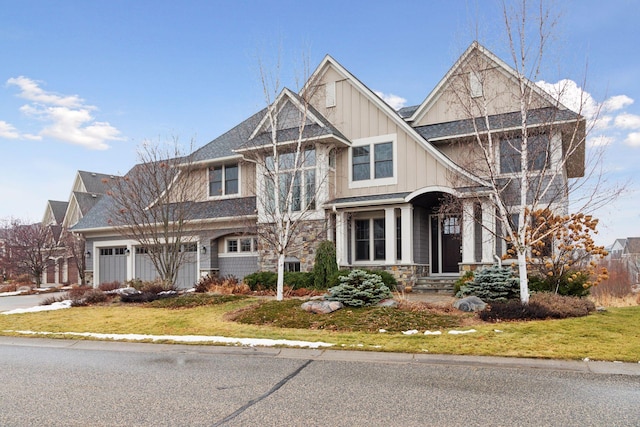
column 280, row 286
column 524, row 280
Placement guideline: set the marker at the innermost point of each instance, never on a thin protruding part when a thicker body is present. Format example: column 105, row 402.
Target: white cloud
column 616, row 103
column 605, row 116
column 628, row 121
column 396, row 102
column 8, row 131
column 32, row 92
column 67, row 118
column 633, row 139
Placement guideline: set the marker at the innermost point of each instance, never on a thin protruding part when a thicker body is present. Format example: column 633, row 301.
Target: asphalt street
column 73, row 383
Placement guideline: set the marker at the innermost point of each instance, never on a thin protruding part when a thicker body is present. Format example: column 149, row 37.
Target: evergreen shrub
column 325, row 265
column 492, row 284
column 387, row 278
column 359, row 289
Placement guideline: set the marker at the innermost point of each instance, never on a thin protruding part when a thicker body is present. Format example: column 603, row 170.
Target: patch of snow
column 497, row 331
column 432, row 333
column 470, row 331
column 410, row 332
column 55, row 306
column 586, row 359
column 382, row 331
column 10, row 294
column 251, row 342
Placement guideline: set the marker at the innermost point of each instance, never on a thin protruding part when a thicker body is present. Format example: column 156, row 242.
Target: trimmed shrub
column 261, row 280
column 541, row 306
column 268, row 280
column 325, row 265
column 359, row 289
column 386, row 277
column 492, row 284
column 109, row 286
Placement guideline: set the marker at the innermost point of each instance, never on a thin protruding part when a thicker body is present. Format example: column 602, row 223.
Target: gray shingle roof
column 100, row 215
column 224, row 145
column 59, row 209
column 86, row 201
column 93, row 182
column 632, row 246
column 406, row 112
column 496, row 122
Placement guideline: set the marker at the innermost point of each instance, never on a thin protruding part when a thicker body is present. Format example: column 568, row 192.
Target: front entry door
column 445, row 244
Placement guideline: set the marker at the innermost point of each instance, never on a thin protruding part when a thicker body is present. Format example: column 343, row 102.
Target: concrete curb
column 588, row 367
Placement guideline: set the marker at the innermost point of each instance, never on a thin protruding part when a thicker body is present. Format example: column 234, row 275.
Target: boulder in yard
column 322, row 307
column 470, row 304
column 389, row 302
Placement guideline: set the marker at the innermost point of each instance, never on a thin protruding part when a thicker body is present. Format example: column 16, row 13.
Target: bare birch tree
column 153, row 203
column 533, row 156
column 291, row 170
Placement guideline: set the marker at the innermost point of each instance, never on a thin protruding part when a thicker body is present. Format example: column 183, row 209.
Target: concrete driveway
column 24, row 301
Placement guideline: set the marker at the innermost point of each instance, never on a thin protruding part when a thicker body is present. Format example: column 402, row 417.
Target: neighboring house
column 378, row 178
column 631, row 257
column 88, row 188
column 616, row 249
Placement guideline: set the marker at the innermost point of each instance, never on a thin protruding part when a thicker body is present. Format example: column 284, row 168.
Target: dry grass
column 608, row 300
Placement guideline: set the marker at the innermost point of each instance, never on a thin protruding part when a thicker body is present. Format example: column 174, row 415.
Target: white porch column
column 468, row 235
column 406, row 224
column 390, row 235
column 488, row 231
column 341, row 239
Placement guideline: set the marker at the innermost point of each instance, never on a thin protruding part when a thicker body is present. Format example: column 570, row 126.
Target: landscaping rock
column 470, row 304
column 322, row 307
column 390, row 302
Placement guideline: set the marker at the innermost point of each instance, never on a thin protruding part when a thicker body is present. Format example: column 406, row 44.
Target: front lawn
column 612, row 335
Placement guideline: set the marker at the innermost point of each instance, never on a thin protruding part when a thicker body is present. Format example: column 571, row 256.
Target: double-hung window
column 296, row 183
column 370, row 239
column 373, row 161
column 511, row 153
column 223, row 180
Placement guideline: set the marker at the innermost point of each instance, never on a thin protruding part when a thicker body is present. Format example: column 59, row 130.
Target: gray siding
column 420, row 235
column 238, row 266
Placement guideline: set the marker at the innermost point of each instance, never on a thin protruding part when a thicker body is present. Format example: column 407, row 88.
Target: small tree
column 325, row 264
column 152, row 204
column 75, row 246
column 28, row 247
column 565, row 249
column 290, row 168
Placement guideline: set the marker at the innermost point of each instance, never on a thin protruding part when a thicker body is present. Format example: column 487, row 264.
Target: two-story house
column 373, row 179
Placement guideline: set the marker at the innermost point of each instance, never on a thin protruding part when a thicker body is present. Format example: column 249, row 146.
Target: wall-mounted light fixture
column 203, row 250
column 127, row 251
column 88, row 254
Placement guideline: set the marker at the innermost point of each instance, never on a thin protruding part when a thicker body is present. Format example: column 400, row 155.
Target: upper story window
column 373, row 161
column 223, row 180
column 537, row 153
column 300, row 179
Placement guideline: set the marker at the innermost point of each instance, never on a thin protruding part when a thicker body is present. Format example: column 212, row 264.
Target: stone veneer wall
column 405, row 275
column 303, row 247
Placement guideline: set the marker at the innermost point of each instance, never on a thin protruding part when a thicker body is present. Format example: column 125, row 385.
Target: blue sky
column 83, row 83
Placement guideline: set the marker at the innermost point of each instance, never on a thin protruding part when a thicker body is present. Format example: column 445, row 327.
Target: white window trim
column 363, row 142
column 252, row 253
column 224, row 196
column 371, row 260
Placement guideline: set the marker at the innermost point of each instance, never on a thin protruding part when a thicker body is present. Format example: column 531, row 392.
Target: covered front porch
column 412, row 236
